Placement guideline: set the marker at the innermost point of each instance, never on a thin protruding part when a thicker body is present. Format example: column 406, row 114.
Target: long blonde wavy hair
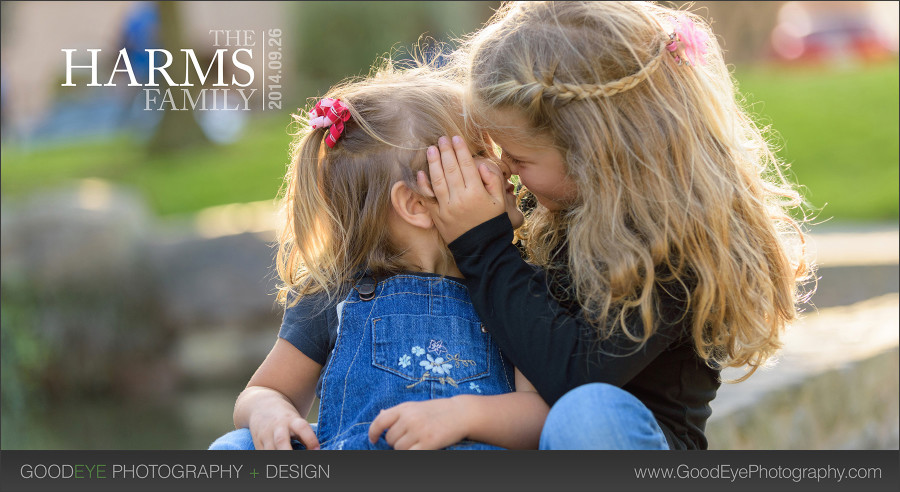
column 336, row 201
column 676, row 183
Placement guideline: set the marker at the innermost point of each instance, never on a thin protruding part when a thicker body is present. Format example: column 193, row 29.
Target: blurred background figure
column 137, row 273
column 140, row 33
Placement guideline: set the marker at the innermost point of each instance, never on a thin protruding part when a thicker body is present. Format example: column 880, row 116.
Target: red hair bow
column 329, row 113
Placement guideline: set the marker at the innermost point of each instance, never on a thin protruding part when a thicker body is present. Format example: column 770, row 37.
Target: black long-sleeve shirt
column 556, row 348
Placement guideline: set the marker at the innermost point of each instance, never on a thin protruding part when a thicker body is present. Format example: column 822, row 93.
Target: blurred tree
column 341, row 39
column 743, row 27
column 178, row 129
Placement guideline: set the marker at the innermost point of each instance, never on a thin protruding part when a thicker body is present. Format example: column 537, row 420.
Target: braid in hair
column 564, row 92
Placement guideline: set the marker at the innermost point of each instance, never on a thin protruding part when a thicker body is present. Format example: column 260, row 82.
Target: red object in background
column 829, row 32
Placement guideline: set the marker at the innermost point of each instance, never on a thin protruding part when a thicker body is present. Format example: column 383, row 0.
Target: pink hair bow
column 329, row 113
column 688, row 42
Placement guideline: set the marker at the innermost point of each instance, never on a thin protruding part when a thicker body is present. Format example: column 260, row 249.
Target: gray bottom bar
column 520, row 471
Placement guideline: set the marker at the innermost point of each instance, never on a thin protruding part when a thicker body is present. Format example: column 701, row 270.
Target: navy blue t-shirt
column 311, row 326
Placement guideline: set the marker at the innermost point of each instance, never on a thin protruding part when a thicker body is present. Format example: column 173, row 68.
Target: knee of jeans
column 239, row 439
column 597, row 395
column 591, row 408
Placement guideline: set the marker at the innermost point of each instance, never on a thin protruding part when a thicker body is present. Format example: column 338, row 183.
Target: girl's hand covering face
column 467, row 193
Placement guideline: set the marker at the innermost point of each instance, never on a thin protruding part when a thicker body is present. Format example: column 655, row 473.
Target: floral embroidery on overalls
column 442, row 380
column 437, row 347
column 474, row 387
column 464, row 362
column 437, row 365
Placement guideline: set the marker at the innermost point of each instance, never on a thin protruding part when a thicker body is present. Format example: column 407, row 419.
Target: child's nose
column 497, row 163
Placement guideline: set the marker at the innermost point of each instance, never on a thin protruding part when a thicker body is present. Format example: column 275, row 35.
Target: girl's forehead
column 511, row 128
column 506, row 120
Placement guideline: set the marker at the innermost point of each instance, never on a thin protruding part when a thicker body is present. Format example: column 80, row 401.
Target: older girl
column 660, row 224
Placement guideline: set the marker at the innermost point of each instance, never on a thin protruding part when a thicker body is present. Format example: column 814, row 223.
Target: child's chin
column 516, row 218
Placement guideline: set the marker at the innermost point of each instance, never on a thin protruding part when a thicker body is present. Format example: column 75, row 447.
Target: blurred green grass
column 837, row 129
column 249, row 170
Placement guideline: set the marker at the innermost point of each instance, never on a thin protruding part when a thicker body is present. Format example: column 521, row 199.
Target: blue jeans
column 601, row 416
column 592, row 416
column 241, row 439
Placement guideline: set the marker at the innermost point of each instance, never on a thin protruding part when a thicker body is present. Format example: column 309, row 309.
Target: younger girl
column 660, row 218
column 377, row 322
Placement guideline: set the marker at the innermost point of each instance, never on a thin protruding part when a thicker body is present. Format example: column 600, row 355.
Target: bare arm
column 512, row 420
column 277, row 399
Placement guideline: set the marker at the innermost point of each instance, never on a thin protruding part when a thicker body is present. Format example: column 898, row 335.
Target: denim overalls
column 404, row 338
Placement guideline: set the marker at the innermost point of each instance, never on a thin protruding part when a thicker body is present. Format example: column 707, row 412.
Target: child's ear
column 410, row 206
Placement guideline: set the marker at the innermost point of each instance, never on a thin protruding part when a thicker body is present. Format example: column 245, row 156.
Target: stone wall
column 110, row 294
column 99, row 296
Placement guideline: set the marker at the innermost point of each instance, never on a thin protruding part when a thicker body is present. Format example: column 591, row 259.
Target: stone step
column 861, row 244
column 834, row 386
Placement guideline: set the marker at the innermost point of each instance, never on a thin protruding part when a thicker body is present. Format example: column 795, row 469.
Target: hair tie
column 329, row 113
column 687, row 42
